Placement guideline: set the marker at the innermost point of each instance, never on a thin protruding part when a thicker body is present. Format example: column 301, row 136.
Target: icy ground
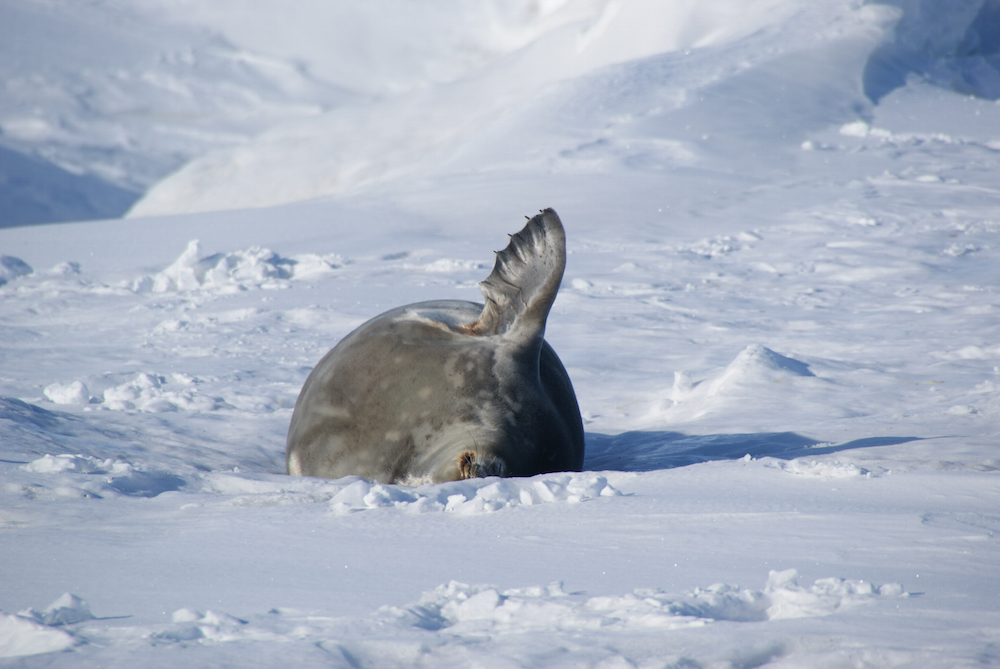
column 780, row 314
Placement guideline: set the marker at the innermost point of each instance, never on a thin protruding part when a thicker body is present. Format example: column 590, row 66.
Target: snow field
column 779, row 315
column 736, row 263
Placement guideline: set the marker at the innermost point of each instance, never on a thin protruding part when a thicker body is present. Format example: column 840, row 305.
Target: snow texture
column 779, row 313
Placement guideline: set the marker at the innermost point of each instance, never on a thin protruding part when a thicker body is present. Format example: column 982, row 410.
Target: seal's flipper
column 525, row 279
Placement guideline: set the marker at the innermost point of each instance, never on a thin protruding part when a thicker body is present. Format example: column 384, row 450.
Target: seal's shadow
column 648, row 451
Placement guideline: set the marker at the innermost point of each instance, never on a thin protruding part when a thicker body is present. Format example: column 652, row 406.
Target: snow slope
column 780, row 315
column 100, row 100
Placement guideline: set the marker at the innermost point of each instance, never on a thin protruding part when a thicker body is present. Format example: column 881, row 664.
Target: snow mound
column 353, row 493
column 13, row 268
column 20, row 637
column 155, row 393
column 254, row 267
column 824, row 470
column 789, row 600
column 152, row 393
column 76, row 476
column 191, row 625
column 66, row 610
column 462, row 608
column 79, row 464
column 754, row 364
column 757, row 377
column 74, row 392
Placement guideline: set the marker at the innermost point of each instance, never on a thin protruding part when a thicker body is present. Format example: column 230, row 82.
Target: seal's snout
column 471, row 465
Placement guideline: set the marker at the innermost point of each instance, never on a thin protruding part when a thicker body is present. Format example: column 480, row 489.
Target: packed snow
column 780, row 315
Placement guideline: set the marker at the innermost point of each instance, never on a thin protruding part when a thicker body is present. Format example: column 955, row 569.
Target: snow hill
column 780, row 315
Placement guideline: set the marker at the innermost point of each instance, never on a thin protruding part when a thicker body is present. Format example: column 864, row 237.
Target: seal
column 448, row 390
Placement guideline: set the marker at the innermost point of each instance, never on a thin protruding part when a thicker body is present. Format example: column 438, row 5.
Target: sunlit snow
column 780, row 314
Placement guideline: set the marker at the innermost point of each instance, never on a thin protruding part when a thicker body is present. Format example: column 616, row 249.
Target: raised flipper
column 521, row 288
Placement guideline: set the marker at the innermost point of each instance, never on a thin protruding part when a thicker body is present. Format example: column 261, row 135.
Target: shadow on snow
column 36, row 431
column 648, row 451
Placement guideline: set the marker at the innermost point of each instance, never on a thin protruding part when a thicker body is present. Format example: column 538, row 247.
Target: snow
column 779, row 313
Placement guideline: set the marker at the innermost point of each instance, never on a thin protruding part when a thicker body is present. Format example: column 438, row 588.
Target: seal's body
column 447, row 390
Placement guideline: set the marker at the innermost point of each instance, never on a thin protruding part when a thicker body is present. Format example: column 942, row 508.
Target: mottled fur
column 445, row 390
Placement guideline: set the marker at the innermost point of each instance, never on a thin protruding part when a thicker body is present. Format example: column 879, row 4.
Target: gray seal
column 448, row 390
